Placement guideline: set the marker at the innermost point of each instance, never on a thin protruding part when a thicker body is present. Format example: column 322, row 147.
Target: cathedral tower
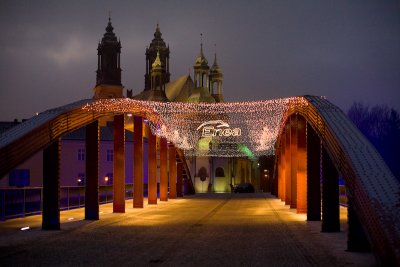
column 157, row 45
column 201, row 92
column 157, row 82
column 216, row 79
column 108, row 79
column 201, row 69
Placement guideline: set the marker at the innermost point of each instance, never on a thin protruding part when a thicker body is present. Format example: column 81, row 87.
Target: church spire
column 157, row 45
column 108, row 64
column 157, row 33
column 157, row 91
column 157, row 82
column 201, row 45
column 201, row 68
column 109, row 28
column 109, row 50
column 216, row 79
column 157, row 65
column 215, row 64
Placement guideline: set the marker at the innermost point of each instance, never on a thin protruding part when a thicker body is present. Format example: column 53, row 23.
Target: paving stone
column 201, row 230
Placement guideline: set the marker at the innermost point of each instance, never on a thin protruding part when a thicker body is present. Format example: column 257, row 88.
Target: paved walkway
column 201, row 230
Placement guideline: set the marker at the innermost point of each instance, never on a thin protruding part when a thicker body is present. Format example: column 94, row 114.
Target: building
column 209, row 174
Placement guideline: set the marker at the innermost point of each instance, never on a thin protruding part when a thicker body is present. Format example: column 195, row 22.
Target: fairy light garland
column 227, row 126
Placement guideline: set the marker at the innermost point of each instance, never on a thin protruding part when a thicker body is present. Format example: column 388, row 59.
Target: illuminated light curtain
column 205, row 129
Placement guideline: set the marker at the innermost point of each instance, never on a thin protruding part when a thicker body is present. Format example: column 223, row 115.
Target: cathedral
column 209, row 174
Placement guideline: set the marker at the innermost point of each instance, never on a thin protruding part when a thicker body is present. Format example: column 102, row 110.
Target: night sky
column 345, row 50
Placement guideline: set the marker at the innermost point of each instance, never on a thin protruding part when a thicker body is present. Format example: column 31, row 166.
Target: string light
column 259, row 123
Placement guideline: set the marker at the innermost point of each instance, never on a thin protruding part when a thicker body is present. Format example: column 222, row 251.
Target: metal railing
column 21, row 202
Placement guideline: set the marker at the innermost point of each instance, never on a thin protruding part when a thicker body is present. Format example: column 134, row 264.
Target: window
column 110, row 155
column 19, row 178
column 81, row 154
column 81, row 179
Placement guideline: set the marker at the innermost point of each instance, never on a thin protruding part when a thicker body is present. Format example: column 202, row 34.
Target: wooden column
column 288, row 170
column 138, row 162
column 179, row 182
column 172, row 172
column 92, row 171
column 283, row 167
column 163, row 170
column 274, row 189
column 279, row 174
column 313, row 175
column 51, row 187
column 152, row 168
column 119, row 164
column 330, row 195
column 293, row 161
column 301, row 165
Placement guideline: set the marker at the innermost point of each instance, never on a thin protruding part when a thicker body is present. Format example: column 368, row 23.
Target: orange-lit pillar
column 274, row 189
column 152, row 168
column 279, row 162
column 301, row 165
column 313, row 175
column 293, row 161
column 172, row 172
column 283, row 164
column 119, row 164
column 179, row 180
column 138, row 162
column 163, row 169
column 51, row 187
column 330, row 195
column 92, row 171
column 288, row 164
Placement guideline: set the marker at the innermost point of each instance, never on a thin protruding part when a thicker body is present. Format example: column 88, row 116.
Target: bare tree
column 381, row 125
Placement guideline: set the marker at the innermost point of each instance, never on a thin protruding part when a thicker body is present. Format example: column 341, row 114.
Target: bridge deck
column 201, row 230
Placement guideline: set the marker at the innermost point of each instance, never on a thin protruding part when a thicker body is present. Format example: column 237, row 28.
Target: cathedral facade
column 209, row 174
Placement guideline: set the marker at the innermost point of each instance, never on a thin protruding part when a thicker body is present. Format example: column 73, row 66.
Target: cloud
column 73, row 50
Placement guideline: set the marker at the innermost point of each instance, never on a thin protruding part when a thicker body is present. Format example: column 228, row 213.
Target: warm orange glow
column 288, row 165
column 302, row 166
column 293, row 161
column 259, row 122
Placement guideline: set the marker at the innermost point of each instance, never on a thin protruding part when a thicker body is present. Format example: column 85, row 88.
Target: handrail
column 30, row 199
column 372, row 187
column 181, row 155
